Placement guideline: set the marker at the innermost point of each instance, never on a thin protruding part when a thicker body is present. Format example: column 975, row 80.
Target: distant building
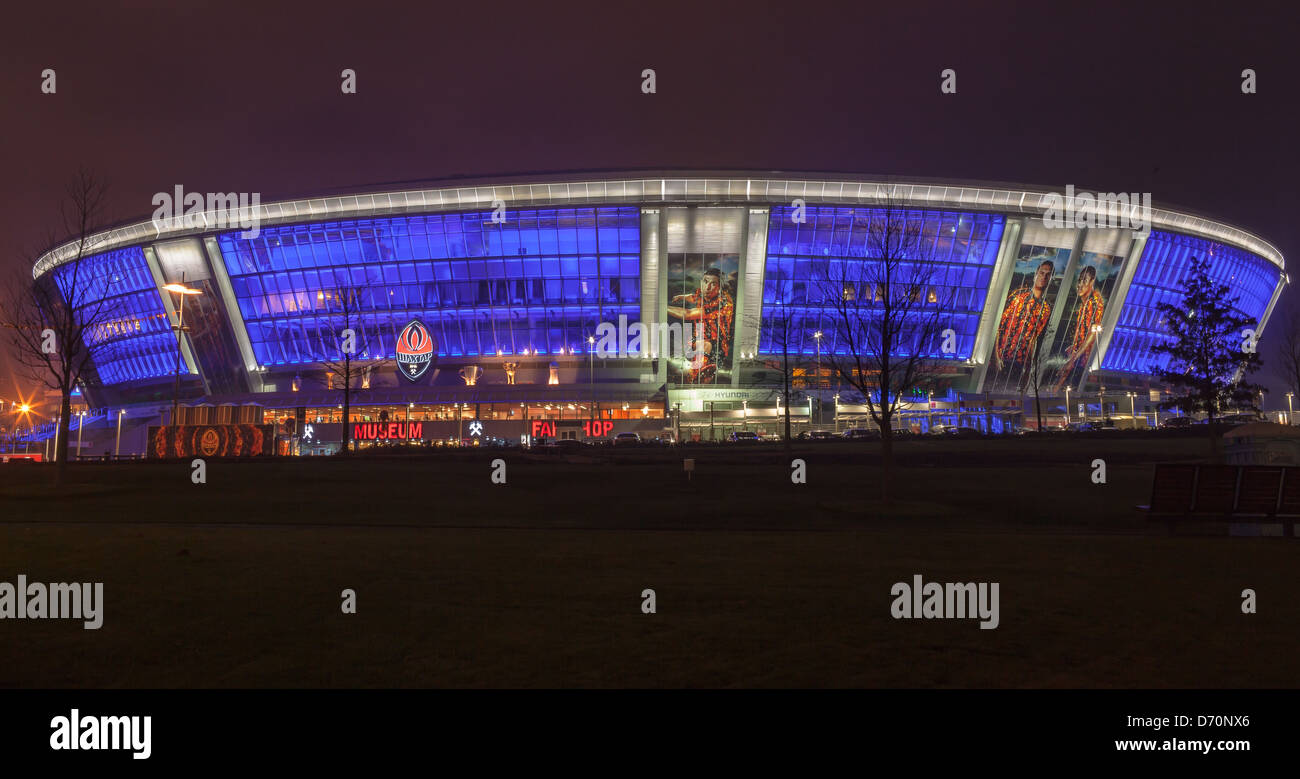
column 1262, row 443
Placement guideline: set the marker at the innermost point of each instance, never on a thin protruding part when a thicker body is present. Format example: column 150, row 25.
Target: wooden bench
column 1262, row 494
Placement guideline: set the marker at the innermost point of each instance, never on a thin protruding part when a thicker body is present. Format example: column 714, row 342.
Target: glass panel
column 956, row 253
column 1165, row 261
column 538, row 257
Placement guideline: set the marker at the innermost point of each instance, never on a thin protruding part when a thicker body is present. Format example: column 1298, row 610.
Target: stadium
column 473, row 308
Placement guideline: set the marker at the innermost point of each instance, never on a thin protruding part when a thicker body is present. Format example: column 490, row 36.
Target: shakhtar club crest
column 414, row 350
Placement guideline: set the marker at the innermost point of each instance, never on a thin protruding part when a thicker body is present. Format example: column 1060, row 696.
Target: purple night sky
column 245, row 97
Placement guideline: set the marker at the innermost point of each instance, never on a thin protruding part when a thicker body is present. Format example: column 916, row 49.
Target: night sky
column 231, row 97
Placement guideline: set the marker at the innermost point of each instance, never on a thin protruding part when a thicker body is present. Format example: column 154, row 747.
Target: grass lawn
column 537, row 582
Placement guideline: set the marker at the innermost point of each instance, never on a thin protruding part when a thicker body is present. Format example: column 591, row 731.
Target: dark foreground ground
column 537, row 582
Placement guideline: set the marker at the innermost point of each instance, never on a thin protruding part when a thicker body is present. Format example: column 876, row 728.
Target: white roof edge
column 620, row 192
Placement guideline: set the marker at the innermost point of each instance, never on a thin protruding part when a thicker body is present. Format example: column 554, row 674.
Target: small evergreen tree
column 1210, row 352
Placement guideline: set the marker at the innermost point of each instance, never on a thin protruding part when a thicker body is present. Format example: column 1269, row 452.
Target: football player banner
column 1079, row 332
column 702, row 293
column 1026, row 314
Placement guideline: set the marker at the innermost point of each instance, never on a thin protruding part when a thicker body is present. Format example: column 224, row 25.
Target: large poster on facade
column 1078, row 329
column 702, row 294
column 211, row 441
column 1026, row 316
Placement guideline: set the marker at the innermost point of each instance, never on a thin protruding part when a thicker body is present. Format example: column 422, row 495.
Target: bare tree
column 781, row 324
column 887, row 313
column 62, row 322
column 349, row 367
column 1037, row 376
column 1288, row 355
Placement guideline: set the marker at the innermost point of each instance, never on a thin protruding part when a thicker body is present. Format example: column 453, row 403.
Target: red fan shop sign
column 597, row 428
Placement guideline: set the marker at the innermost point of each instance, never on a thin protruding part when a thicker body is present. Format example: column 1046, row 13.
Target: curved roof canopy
column 669, row 188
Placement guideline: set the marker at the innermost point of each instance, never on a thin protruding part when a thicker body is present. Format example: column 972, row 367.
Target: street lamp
column 1067, row 405
column 1132, row 409
column 117, row 445
column 591, row 379
column 81, row 422
column 23, row 409
column 183, row 291
column 13, row 426
column 817, row 337
column 1289, row 395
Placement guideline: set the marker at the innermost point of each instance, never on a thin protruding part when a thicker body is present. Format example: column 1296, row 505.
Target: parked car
column 627, row 439
column 571, row 445
column 1240, row 419
column 1230, row 420
column 743, row 437
column 964, row 432
column 1177, row 422
column 821, row 435
column 860, row 433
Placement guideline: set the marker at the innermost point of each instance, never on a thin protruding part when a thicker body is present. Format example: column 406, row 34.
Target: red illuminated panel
column 211, row 441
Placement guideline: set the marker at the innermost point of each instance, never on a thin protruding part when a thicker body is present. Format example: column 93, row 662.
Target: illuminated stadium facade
column 512, row 279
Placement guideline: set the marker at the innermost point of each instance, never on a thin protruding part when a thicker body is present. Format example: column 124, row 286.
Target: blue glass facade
column 1165, row 262
column 540, row 281
column 959, row 251
column 134, row 336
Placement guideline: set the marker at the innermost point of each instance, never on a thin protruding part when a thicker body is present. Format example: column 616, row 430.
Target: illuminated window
column 134, row 338
column 954, row 258
column 542, row 279
column 1164, row 264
